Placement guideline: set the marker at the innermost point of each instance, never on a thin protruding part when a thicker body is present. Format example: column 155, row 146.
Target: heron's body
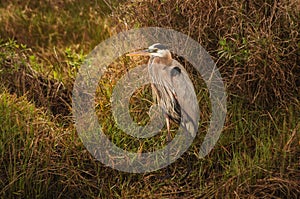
column 171, row 88
column 164, row 95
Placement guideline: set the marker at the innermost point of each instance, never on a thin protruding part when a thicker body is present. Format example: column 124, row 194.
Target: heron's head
column 155, row 50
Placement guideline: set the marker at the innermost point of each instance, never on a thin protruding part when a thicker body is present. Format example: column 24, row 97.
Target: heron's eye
column 154, row 50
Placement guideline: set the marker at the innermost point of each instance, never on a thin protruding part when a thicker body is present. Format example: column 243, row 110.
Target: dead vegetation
column 17, row 74
column 255, row 43
column 256, row 47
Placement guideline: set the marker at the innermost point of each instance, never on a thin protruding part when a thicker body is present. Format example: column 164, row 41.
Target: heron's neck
column 167, row 60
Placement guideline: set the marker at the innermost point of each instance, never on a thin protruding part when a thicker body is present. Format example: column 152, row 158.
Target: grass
column 256, row 44
column 25, row 145
column 41, row 155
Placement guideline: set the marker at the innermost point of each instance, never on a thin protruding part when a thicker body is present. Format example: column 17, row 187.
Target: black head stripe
column 160, row 46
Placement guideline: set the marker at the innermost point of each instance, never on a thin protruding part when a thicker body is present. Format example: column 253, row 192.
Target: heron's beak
column 139, row 53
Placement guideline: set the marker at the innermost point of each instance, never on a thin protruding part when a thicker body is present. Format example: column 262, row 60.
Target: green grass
column 41, row 155
column 24, row 147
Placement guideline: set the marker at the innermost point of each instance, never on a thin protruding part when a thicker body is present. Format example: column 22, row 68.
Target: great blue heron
column 172, row 88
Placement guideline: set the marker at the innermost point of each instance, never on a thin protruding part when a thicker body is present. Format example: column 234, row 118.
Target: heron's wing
column 181, row 85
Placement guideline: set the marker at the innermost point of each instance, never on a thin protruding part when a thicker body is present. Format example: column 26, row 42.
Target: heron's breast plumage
column 163, row 89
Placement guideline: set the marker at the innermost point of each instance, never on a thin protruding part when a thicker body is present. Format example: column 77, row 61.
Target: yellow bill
column 138, row 53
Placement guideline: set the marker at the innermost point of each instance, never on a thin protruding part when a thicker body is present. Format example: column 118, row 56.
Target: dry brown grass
column 255, row 43
column 256, row 47
column 17, row 74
